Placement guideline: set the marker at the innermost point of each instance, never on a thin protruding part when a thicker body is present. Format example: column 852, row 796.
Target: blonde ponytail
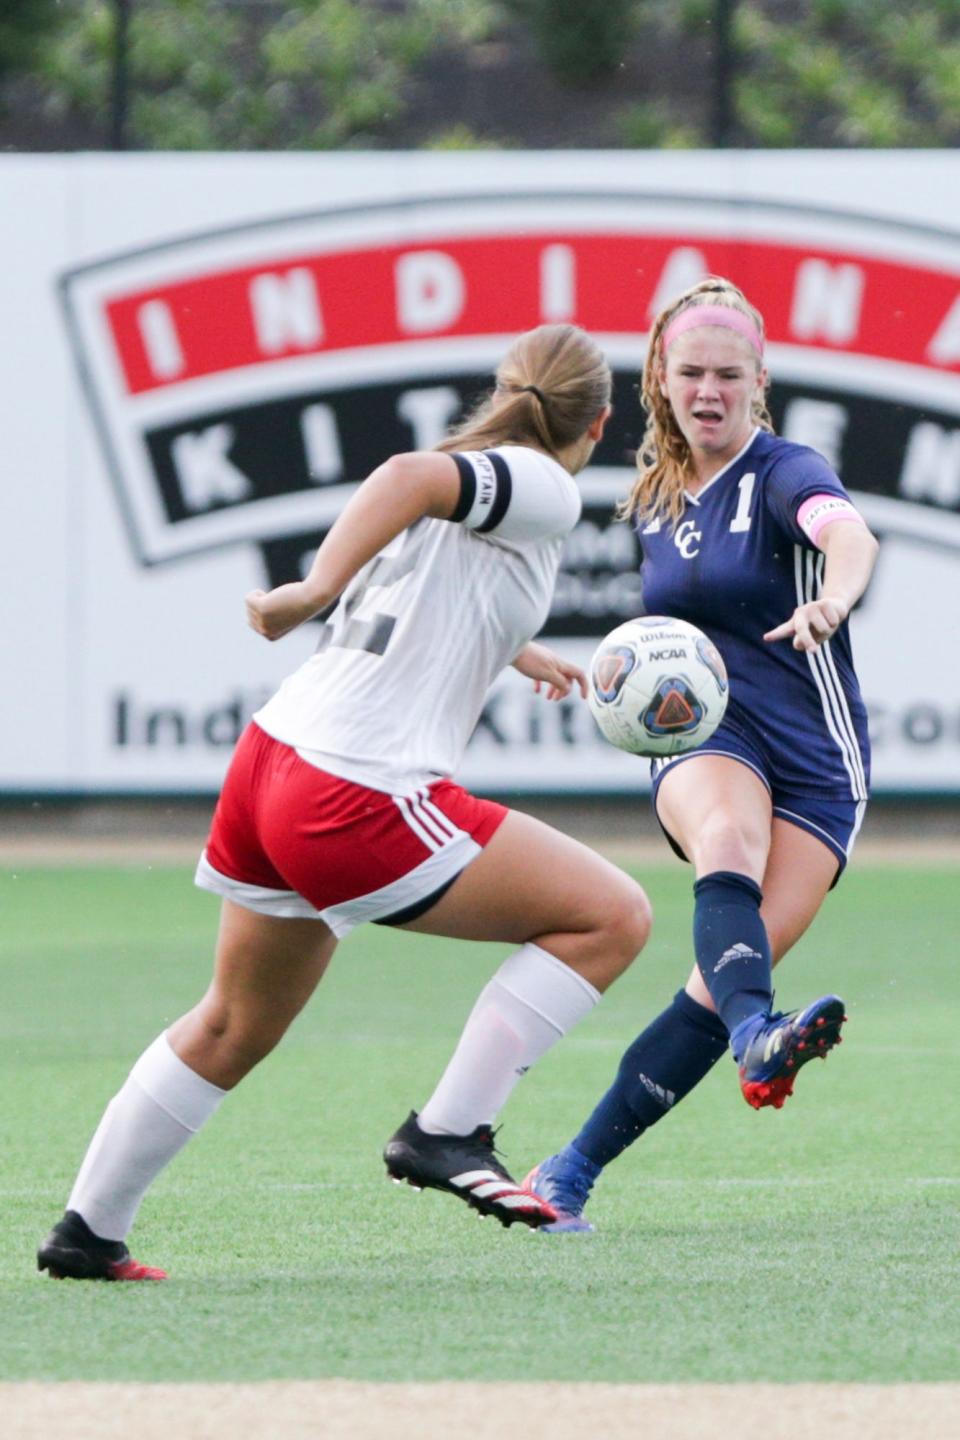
column 552, row 383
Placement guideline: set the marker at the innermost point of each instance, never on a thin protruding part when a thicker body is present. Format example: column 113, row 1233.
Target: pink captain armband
column 821, row 510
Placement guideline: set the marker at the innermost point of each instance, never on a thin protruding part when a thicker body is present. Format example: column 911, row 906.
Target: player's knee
column 628, row 920
column 239, row 1038
column 727, row 842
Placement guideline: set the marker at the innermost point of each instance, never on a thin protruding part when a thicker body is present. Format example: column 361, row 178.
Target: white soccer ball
column 658, row 686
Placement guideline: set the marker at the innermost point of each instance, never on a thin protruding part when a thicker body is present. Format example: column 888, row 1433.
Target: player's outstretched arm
column 543, row 667
column 851, row 553
column 395, row 495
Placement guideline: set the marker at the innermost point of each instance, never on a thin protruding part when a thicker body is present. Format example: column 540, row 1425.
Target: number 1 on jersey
column 741, row 521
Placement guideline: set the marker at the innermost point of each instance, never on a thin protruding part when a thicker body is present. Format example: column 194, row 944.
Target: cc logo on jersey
column 686, row 539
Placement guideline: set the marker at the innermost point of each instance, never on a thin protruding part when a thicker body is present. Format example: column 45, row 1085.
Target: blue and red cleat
column 564, row 1181
column 772, row 1048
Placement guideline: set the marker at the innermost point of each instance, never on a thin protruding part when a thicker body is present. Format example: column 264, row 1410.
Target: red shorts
column 293, row 841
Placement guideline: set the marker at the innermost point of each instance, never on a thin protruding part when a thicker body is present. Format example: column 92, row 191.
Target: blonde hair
column 552, row 382
column 663, row 461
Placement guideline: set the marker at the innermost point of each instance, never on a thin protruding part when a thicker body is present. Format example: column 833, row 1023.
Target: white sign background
column 101, row 655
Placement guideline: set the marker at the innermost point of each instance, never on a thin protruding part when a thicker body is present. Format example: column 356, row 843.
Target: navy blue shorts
column 833, row 816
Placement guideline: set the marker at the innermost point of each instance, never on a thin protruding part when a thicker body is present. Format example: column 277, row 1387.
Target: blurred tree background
column 441, row 74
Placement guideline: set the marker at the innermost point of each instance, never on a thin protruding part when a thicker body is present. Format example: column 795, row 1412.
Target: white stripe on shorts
column 804, row 820
column 413, row 819
column 431, row 827
column 443, row 822
column 861, row 811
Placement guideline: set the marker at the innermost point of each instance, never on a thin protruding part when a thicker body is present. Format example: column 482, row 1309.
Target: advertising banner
column 204, row 355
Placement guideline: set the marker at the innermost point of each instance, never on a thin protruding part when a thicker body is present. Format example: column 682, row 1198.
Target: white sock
column 162, row 1104
column 532, row 1001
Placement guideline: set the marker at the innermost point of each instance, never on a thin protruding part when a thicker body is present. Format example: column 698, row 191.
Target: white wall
column 177, row 297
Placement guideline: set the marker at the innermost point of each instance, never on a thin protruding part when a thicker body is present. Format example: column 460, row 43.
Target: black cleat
column 463, row 1165
column 72, row 1251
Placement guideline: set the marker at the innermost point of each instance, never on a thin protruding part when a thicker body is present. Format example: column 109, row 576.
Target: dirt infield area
column 352, row 1410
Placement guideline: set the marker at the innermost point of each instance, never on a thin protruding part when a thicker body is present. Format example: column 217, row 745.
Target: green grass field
column 818, row 1243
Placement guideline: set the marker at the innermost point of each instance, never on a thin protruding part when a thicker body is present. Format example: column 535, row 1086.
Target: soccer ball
column 658, row 686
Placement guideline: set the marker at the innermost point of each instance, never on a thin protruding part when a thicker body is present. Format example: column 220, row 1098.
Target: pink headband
column 726, row 315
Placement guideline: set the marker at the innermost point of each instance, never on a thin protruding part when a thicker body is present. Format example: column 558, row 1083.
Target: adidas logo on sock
column 665, row 1097
column 737, row 952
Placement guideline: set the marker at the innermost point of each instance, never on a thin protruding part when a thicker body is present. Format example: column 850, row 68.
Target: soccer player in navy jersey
column 755, row 540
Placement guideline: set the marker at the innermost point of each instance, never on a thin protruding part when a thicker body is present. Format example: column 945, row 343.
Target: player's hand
column 813, row 623
column 273, row 613
column 545, row 668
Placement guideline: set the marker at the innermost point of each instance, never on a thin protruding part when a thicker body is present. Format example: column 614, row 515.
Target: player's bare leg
column 533, row 883
column 579, row 922
column 720, row 814
column 265, row 971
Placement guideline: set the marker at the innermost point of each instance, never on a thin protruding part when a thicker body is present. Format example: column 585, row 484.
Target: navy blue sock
column 662, row 1065
column 732, row 947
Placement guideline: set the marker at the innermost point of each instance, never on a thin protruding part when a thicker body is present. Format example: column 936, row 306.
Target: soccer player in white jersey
column 755, row 540
column 339, row 806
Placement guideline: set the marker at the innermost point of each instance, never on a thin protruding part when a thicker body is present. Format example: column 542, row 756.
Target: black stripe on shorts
column 419, row 907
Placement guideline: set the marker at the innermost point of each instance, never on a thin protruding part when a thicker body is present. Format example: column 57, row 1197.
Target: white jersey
column 405, row 660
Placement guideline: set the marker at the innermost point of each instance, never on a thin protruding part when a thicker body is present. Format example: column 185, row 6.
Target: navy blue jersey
column 737, row 565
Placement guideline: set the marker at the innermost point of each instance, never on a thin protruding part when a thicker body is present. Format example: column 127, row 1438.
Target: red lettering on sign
column 187, row 329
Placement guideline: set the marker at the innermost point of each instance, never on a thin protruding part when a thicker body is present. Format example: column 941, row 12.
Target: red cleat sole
column 129, row 1270
column 809, row 1044
column 133, row 1270
column 760, row 1093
